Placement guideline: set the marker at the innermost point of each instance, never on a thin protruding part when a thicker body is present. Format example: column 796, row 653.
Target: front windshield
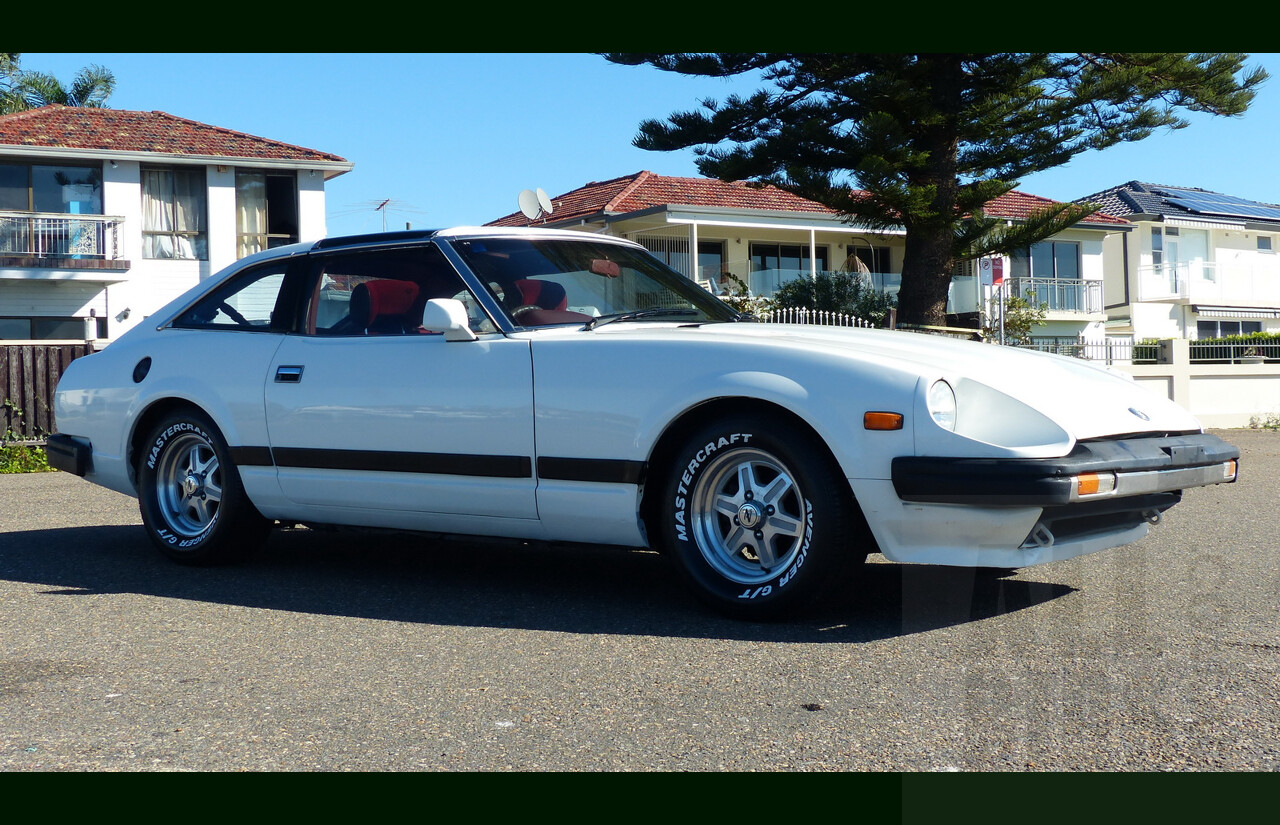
column 561, row 281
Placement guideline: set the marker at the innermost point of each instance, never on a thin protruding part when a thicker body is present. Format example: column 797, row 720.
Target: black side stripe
column 605, row 470
column 252, row 456
column 453, row 464
column 599, row 470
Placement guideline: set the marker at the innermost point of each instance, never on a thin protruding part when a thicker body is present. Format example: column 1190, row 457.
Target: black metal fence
column 1110, row 351
column 1234, row 352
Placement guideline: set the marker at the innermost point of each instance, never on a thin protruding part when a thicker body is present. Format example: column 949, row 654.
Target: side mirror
column 449, row 316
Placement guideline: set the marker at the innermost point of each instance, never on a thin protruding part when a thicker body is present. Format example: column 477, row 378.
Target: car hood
column 1085, row 399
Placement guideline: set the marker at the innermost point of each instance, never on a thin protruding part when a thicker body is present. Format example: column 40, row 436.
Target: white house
column 761, row 237
column 106, row 215
column 1198, row 264
column 1064, row 274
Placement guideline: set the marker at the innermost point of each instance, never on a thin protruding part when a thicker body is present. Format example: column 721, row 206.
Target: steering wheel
column 521, row 310
column 233, row 314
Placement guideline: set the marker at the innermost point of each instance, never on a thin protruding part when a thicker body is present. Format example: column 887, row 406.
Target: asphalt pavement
column 381, row 652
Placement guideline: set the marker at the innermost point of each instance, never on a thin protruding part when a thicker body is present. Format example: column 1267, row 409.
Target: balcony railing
column 1109, row 351
column 1235, row 352
column 56, row 236
column 1060, row 294
column 1211, row 282
column 764, row 283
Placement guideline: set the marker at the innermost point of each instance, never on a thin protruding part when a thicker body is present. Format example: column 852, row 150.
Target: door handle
column 289, row 374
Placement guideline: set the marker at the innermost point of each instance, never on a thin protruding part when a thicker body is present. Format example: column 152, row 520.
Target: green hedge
column 23, row 458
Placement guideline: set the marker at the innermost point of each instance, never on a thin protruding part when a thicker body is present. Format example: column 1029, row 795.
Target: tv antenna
column 534, row 204
column 383, row 207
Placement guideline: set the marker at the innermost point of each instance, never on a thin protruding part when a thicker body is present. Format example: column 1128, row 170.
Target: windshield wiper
column 601, row 320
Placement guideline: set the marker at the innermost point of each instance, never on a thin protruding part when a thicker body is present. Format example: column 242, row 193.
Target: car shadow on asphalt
column 445, row 581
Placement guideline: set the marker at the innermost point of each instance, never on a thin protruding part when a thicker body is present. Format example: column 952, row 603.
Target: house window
column 674, row 252
column 710, row 259
column 173, row 214
column 57, row 190
column 786, row 257
column 1048, row 259
column 1219, row 329
column 1264, row 243
column 46, row 328
column 61, row 190
column 266, row 211
column 874, row 258
column 15, row 187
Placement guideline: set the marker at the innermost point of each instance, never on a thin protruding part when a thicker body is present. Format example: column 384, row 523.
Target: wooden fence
column 29, row 376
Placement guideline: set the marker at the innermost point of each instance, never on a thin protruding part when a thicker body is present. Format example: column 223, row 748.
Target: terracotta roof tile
column 67, row 127
column 645, row 190
column 1017, row 205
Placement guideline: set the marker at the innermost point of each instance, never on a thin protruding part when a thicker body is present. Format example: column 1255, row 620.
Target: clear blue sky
column 453, row 138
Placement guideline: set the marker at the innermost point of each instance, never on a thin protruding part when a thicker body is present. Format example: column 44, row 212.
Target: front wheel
column 758, row 518
column 189, row 493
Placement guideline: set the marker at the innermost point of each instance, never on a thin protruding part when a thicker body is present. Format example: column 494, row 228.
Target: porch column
column 813, row 254
column 693, row 251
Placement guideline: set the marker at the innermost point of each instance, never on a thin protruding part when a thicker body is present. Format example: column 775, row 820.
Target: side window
column 382, row 292
column 247, row 302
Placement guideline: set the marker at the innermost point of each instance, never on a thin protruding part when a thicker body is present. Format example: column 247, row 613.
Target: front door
column 366, row 411
column 407, row 422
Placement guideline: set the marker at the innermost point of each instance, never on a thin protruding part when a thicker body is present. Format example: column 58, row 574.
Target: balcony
column 58, row 241
column 1207, row 282
column 1069, row 296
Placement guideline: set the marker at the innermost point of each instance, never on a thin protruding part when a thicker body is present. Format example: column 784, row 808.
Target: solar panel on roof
column 1212, row 203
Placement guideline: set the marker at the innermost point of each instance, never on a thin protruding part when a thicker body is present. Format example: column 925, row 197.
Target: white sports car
column 561, row 386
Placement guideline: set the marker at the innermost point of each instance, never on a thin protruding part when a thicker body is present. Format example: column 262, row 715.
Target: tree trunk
column 926, row 266
column 926, row 277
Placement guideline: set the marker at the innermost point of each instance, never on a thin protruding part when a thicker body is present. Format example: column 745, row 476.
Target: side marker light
column 882, row 421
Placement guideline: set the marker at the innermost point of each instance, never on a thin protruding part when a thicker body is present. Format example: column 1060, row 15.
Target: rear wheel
column 189, row 493
column 758, row 518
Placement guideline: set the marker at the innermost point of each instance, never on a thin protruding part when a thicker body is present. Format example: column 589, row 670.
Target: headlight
column 942, row 405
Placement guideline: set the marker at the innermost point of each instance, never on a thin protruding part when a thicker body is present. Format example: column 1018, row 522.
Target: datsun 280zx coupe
column 560, row 386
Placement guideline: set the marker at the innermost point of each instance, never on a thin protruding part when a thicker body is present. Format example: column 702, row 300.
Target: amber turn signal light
column 882, row 421
column 1092, row 484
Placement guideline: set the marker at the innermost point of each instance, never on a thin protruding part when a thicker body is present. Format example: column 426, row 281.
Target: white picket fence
column 812, row 316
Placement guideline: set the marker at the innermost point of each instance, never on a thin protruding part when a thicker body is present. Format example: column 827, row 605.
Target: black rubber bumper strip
column 69, row 454
column 1049, row 481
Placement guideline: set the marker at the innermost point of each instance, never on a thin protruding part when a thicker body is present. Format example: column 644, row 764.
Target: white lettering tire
column 757, row 518
column 189, row 492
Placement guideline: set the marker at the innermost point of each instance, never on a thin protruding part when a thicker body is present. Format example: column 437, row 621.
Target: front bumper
column 1104, row 488
column 1095, row 471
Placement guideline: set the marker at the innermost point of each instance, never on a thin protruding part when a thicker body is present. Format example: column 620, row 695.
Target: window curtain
column 251, row 214
column 188, row 213
column 157, row 216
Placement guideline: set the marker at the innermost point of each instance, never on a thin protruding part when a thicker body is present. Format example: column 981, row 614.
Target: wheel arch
column 147, row 419
column 679, row 430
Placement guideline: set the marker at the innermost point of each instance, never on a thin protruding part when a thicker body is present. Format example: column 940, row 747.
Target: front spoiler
column 1141, row 466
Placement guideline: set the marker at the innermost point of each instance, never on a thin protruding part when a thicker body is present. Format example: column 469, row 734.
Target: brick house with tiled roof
column 1199, row 264
column 762, row 236
column 629, row 194
column 106, row 215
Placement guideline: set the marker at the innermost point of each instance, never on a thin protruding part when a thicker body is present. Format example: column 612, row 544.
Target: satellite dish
column 529, row 204
column 533, row 204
